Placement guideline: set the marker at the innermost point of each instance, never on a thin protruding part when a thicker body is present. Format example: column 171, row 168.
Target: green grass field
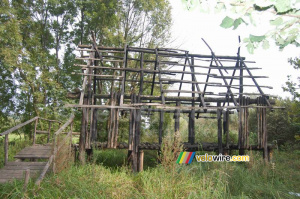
column 108, row 176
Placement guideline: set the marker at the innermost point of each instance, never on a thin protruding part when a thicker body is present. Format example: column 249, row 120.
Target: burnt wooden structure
column 115, row 79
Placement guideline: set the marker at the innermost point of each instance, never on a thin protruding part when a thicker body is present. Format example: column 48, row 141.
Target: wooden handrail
column 50, row 120
column 41, row 177
column 18, row 126
column 60, row 130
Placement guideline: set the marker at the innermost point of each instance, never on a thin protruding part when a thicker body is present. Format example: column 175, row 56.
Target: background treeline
column 38, row 40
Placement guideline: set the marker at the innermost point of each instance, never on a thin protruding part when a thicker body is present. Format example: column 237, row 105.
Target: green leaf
column 250, row 48
column 266, row 44
column 237, row 22
column 280, row 40
column 227, row 22
column 277, row 22
column 283, row 5
column 254, row 38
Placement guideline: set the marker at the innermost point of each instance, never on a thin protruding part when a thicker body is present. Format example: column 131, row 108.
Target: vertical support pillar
column 137, row 136
column 161, row 123
column 191, row 138
column 26, row 179
column 177, row 117
column 131, row 129
column 6, row 149
column 82, row 138
column 265, row 134
column 226, row 130
column 219, row 116
column 141, row 161
column 34, row 134
column 241, row 127
column 94, row 125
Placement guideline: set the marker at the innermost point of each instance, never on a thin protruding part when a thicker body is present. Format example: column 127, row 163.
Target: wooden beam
column 18, row 126
column 41, row 177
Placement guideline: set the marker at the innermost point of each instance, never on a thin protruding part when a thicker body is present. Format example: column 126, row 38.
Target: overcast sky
column 190, row 26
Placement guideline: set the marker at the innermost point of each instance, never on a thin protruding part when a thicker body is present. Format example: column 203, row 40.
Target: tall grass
column 108, row 176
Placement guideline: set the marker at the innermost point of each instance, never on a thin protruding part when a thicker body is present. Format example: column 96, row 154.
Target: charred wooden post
column 94, row 126
column 177, row 117
column 161, row 124
column 141, row 161
column 219, row 116
column 131, row 129
column 82, row 138
column 265, row 134
column 135, row 137
column 226, row 130
column 137, row 133
column 191, row 137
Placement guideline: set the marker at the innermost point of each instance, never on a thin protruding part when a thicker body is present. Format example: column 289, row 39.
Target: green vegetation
column 198, row 180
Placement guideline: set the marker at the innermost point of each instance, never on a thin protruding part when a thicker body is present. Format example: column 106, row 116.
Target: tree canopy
column 38, row 39
column 282, row 15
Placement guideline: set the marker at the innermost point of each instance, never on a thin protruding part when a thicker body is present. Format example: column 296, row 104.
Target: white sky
column 190, row 26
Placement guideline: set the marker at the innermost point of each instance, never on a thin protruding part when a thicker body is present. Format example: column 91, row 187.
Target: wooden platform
column 35, row 152
column 16, row 170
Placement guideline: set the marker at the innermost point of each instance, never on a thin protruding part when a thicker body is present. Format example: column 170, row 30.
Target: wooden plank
column 37, row 156
column 28, row 164
column 23, row 167
column 43, row 152
column 18, row 174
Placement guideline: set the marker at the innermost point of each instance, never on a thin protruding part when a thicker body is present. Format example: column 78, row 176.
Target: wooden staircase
column 35, row 161
column 17, row 169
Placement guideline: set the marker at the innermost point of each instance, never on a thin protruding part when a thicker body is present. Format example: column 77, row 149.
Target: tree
column 283, row 15
column 291, row 87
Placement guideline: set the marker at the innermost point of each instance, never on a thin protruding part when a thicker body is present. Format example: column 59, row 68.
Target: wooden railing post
column 34, row 134
column 70, row 151
column 49, row 131
column 6, row 149
column 54, row 153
